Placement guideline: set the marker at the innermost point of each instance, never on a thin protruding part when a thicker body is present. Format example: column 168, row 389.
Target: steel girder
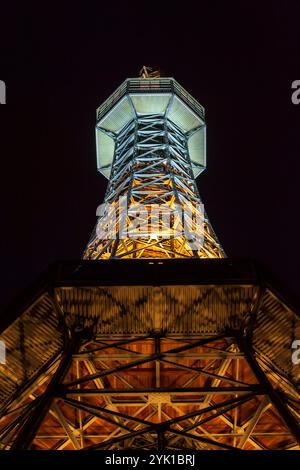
column 154, row 392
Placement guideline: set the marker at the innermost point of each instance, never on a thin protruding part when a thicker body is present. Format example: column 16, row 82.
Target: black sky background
column 60, row 62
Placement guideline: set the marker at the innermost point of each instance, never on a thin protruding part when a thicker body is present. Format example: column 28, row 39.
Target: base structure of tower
column 155, row 340
column 195, row 354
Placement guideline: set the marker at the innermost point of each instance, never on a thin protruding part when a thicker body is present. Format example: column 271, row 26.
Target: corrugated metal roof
column 140, row 309
column 275, row 330
column 31, row 341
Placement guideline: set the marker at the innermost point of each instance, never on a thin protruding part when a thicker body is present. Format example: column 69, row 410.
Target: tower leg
column 31, row 426
column 274, row 396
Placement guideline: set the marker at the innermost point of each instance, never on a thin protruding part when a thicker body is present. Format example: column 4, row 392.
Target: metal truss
column 152, row 169
column 191, row 355
column 152, row 392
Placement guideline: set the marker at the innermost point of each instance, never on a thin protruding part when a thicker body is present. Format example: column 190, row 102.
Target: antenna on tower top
column 148, row 72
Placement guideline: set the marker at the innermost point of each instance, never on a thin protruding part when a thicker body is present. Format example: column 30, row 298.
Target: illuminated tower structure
column 150, row 138
column 154, row 340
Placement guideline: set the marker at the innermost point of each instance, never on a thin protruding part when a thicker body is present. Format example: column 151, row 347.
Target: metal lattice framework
column 97, row 371
column 152, row 170
column 151, row 341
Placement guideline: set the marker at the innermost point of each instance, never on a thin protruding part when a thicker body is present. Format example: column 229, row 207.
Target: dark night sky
column 59, row 63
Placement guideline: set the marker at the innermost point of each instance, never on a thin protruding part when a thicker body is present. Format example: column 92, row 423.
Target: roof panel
column 120, row 114
column 151, row 103
column 105, row 146
column 183, row 116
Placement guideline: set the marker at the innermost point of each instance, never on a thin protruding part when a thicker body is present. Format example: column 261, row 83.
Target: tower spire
column 148, row 72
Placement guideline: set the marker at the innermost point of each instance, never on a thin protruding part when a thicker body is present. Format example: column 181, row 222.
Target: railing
column 188, row 99
column 108, row 104
column 156, row 85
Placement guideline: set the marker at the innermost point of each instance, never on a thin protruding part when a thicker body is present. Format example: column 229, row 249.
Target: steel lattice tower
column 153, row 340
column 151, row 144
